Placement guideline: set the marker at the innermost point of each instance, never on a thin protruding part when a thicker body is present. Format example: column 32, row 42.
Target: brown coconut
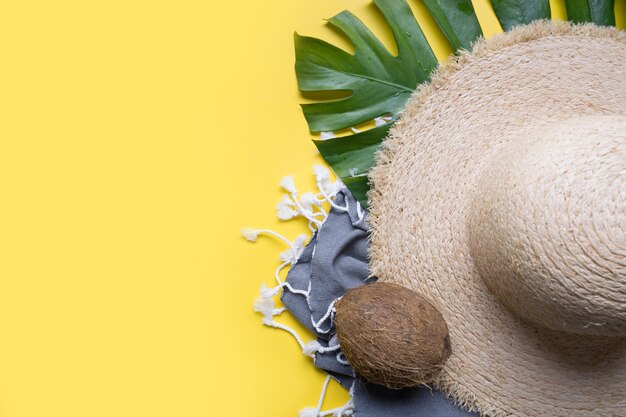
column 391, row 335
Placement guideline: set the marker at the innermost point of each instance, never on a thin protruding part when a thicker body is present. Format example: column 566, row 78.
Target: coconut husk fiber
column 391, row 335
column 457, row 159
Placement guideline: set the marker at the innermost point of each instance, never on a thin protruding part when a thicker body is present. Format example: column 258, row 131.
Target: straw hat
column 500, row 195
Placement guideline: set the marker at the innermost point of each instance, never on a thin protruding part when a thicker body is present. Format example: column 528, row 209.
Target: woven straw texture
column 423, row 209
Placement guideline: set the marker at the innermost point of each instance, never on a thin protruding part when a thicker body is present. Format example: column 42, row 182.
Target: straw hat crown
column 547, row 228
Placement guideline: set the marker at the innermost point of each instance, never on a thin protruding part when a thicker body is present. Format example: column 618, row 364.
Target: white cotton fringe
column 310, row 206
column 345, row 410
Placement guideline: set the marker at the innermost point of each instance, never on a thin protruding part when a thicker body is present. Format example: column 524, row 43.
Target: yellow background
column 136, row 139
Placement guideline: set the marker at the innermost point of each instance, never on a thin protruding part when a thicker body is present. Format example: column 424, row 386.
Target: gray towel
column 334, row 261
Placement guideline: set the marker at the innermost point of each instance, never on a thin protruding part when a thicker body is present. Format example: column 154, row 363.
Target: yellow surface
column 137, row 137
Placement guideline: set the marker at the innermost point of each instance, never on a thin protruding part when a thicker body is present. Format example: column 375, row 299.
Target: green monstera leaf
column 379, row 83
column 600, row 12
column 511, row 13
column 351, row 157
column 457, row 20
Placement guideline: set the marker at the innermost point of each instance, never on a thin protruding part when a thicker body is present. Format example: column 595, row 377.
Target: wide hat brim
column 421, row 185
